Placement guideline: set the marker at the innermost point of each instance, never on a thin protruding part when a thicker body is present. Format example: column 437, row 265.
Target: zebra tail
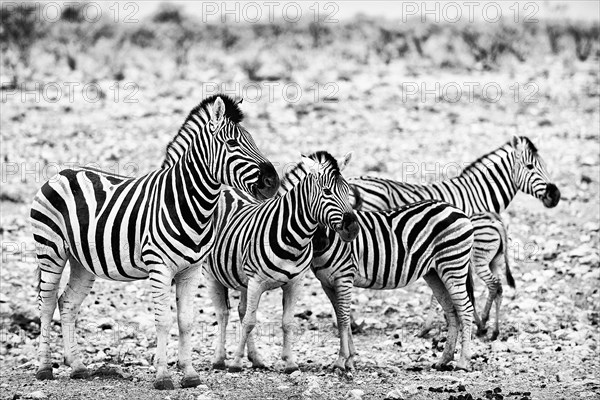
column 358, row 200
column 38, row 278
column 470, row 286
column 509, row 278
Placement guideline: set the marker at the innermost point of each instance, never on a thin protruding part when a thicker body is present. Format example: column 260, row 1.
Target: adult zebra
column 259, row 247
column 155, row 227
column 483, row 189
column 429, row 239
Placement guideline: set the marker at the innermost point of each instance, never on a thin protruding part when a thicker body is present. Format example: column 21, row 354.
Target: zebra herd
column 261, row 234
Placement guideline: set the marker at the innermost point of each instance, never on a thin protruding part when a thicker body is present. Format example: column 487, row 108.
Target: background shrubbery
column 182, row 40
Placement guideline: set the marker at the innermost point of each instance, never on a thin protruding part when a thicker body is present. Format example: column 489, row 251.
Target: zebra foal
column 263, row 246
column 483, row 189
column 155, row 227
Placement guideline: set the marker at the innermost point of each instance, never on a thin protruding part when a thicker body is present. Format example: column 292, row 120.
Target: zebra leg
column 253, row 356
column 351, row 349
column 50, row 268
column 443, row 297
column 464, row 309
column 186, row 284
column 494, row 286
column 255, row 290
column 428, row 326
column 345, row 331
column 80, row 284
column 220, row 301
column 161, row 278
column 290, row 297
column 498, row 264
column 496, row 331
column 485, row 250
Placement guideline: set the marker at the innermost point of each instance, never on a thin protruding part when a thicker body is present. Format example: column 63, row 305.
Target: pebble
column 564, row 376
column 37, row 395
column 355, row 394
column 394, row 394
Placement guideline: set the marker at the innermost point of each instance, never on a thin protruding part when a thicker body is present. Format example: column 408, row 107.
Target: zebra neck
column 297, row 208
column 486, row 185
column 191, row 188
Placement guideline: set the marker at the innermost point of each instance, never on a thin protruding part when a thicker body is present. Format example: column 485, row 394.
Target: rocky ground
column 548, row 346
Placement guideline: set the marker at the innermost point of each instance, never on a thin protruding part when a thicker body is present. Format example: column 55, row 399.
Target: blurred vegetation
column 103, row 49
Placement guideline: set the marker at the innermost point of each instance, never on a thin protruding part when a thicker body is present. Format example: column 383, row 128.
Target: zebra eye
column 232, row 143
column 529, row 166
column 327, row 191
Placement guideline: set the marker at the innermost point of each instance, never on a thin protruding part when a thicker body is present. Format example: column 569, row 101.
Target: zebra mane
column 323, row 157
column 299, row 171
column 532, row 147
column 483, row 158
column 199, row 115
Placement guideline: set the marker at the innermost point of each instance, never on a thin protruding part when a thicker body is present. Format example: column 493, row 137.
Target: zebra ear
column 239, row 100
column 342, row 165
column 218, row 110
column 516, row 143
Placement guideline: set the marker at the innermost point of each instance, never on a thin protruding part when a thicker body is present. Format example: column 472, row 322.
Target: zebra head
column 530, row 173
column 331, row 202
column 236, row 161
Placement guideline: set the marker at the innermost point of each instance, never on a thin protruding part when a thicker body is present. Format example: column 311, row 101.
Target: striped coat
column 155, row 227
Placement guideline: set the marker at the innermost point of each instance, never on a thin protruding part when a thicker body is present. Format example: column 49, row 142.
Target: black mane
column 178, row 145
column 232, row 109
column 323, row 156
column 532, row 147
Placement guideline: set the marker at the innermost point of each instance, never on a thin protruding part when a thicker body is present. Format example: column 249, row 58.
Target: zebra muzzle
column 551, row 196
column 349, row 228
column 268, row 181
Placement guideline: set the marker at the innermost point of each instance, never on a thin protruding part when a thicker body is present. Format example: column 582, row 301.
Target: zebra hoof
column 339, row 370
column 164, row 384
column 219, row 365
column 234, row 368
column 481, row 332
column 495, row 335
column 44, row 374
column 442, row 367
column 81, row 373
column 290, row 370
column 190, row 381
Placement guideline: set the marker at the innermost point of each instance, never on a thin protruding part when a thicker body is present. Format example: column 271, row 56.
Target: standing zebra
column 259, row 247
column 486, row 186
column 156, row 227
column 429, row 239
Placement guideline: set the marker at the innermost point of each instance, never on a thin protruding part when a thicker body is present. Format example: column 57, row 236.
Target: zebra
column 155, row 227
column 429, row 239
column 484, row 189
column 263, row 246
column 490, row 255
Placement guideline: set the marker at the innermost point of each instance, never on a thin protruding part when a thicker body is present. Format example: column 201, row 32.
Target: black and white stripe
column 156, row 226
column 487, row 185
column 429, row 239
column 482, row 190
column 262, row 246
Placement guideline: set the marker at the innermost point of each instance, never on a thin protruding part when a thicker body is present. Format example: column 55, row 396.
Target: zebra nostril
column 269, row 181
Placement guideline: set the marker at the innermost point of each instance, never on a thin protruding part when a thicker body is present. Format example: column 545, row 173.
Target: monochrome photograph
column 209, row 200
